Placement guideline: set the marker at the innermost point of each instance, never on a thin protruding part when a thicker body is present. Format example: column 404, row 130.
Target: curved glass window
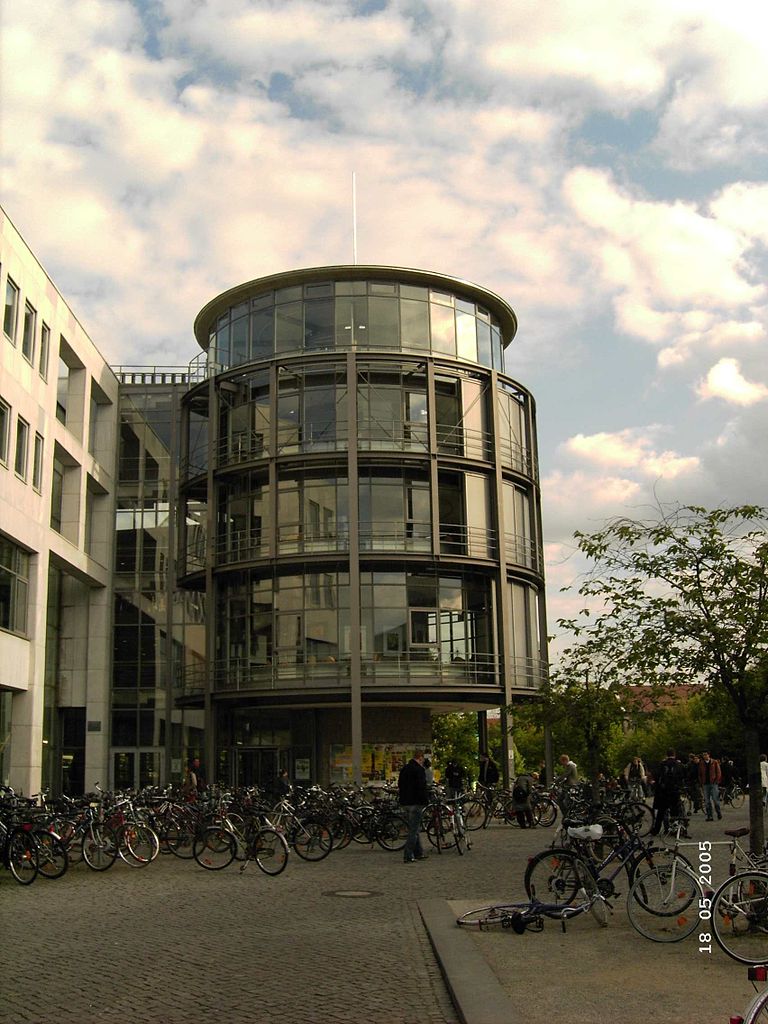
column 312, row 512
column 371, row 315
column 243, row 530
column 392, row 408
column 311, row 410
column 268, row 629
column 394, row 511
column 412, row 618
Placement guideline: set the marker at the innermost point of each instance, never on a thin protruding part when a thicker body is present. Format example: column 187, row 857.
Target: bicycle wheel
column 311, row 840
column 392, row 832
column 214, row 848
column 546, row 812
column 53, row 859
column 179, row 837
column 489, row 918
column 663, row 904
column 740, row 917
column 270, row 851
column 638, row 817
column 757, row 1011
column 440, row 829
column 655, row 857
column 737, row 797
column 555, row 876
column 23, row 857
column 138, row 844
column 475, row 814
column 99, row 847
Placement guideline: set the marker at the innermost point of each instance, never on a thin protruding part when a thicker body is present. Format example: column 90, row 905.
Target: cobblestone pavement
column 172, row 944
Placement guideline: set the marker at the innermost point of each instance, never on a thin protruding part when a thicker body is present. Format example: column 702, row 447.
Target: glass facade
column 366, row 471
column 323, row 316
column 149, row 737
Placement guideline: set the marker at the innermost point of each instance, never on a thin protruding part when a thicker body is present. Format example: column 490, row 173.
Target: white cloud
column 630, row 449
column 725, row 380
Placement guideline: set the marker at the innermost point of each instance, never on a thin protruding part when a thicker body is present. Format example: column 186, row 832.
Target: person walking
column 692, row 782
column 412, row 793
column 522, row 805
column 764, row 778
column 668, row 781
column 634, row 776
column 709, row 777
column 454, row 778
column 488, row 772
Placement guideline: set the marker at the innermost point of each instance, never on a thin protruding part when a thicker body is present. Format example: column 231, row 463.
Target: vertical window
column 28, row 336
column 14, row 587
column 45, row 348
column 5, row 427
column 57, row 494
column 11, row 309
column 62, row 392
column 22, row 448
column 37, row 463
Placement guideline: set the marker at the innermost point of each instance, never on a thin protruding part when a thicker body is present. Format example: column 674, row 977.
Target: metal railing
column 397, row 670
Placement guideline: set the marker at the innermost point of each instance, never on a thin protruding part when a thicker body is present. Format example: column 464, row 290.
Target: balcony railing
column 378, row 670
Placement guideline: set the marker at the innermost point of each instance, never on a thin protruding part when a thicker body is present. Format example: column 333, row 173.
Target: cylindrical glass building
column 361, row 510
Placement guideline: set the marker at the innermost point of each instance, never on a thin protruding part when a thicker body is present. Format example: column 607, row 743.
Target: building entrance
column 256, row 766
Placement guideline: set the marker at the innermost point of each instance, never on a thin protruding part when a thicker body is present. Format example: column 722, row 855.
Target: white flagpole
column 354, row 218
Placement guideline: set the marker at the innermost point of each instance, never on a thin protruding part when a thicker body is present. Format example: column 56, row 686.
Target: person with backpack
column 454, row 778
column 668, row 783
column 522, row 790
column 488, row 772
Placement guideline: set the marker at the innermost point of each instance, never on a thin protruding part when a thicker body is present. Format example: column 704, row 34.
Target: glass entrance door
column 256, row 766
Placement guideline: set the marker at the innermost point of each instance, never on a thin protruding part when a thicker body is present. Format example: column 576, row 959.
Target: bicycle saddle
column 737, row 832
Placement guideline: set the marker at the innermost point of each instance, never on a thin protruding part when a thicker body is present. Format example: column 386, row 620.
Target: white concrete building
column 58, row 435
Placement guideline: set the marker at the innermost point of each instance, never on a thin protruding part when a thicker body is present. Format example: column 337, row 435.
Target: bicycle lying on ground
column 530, row 914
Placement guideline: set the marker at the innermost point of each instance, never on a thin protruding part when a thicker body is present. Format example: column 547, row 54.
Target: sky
column 602, row 167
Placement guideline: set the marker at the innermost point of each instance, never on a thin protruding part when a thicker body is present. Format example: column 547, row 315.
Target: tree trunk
column 752, row 755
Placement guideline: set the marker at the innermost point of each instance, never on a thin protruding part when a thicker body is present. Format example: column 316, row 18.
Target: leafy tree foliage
column 455, row 735
column 685, row 596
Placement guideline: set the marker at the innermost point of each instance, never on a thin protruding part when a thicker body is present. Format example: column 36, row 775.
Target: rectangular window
column 62, row 392
column 57, row 494
column 11, row 314
column 28, row 336
column 45, row 348
column 5, row 428
column 14, row 587
column 22, row 448
column 37, row 463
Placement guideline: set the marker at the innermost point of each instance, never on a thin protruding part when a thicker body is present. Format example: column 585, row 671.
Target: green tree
column 685, row 595
column 455, row 735
column 584, row 705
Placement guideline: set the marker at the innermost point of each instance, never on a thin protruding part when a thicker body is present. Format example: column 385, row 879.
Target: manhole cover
column 352, row 893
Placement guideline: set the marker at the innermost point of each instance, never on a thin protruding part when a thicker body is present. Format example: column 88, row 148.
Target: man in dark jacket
column 667, row 785
column 412, row 791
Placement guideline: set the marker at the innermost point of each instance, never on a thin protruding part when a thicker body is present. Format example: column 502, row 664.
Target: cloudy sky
column 603, row 167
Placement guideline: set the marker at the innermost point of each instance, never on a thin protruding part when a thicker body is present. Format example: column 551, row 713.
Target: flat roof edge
column 353, row 272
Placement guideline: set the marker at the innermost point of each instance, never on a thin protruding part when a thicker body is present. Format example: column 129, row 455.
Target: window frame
column 29, row 332
column 5, row 432
column 38, row 454
column 14, row 306
column 45, row 350
column 21, row 466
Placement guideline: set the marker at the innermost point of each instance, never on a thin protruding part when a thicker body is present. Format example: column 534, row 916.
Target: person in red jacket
column 709, row 777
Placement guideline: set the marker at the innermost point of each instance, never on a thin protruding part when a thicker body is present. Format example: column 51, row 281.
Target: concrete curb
column 476, row 993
